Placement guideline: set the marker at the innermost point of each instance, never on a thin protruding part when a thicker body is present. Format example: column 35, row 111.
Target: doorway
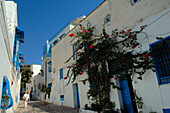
column 76, row 96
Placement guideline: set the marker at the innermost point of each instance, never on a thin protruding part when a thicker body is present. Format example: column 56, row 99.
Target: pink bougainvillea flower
column 83, row 31
column 133, row 36
column 116, row 42
column 76, row 63
column 72, row 69
column 71, row 35
column 95, row 77
column 123, row 67
column 145, row 55
column 123, row 58
column 125, row 32
column 123, row 63
column 77, row 49
column 141, row 27
column 69, row 67
column 92, row 46
column 88, row 31
column 107, row 35
column 78, row 52
column 65, row 78
column 129, row 30
column 81, row 73
column 121, row 32
column 133, row 46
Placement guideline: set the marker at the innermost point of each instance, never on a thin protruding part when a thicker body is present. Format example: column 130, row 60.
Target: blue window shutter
column 50, row 85
column 161, row 55
column 78, row 98
column 61, row 73
column 166, row 110
column 39, row 86
column 61, row 97
column 126, row 96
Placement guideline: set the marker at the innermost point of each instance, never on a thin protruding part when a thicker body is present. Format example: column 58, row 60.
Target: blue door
column 126, row 96
column 78, row 99
column 76, row 96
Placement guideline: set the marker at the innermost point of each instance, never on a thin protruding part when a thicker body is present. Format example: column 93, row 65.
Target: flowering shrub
column 104, row 57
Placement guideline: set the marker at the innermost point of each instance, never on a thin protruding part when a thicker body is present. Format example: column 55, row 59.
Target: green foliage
column 45, row 89
column 104, row 57
column 26, row 74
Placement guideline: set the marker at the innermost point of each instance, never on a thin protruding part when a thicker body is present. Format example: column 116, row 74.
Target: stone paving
column 43, row 107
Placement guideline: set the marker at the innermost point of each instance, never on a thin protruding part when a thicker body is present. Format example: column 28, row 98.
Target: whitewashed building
column 11, row 37
column 45, row 77
column 36, row 70
column 120, row 14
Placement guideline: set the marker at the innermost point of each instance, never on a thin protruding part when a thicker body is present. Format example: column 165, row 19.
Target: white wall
column 123, row 16
column 8, row 21
column 154, row 96
column 35, row 69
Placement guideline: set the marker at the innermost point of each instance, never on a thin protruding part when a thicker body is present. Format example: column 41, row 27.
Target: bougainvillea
column 105, row 57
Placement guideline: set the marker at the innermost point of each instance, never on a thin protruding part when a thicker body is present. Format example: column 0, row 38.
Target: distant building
column 120, row 14
column 36, row 70
column 11, row 37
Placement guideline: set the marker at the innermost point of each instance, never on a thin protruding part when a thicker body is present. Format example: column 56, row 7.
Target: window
column 49, row 66
column 50, row 85
column 107, row 19
column 61, row 97
column 74, row 53
column 39, row 86
column 55, row 42
column 62, row 35
column 133, row 1
column 161, row 58
column 61, row 73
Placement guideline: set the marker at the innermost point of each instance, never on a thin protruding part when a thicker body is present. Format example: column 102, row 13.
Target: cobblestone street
column 43, row 107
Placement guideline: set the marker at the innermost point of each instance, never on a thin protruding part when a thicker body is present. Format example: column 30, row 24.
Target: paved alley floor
column 43, row 107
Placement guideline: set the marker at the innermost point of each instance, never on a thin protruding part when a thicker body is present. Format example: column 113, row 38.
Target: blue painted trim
column 59, row 31
column 62, row 35
column 49, row 66
column 61, row 73
column 61, row 97
column 50, row 85
column 73, row 52
column 159, row 77
column 78, row 98
column 39, row 86
column 166, row 110
column 9, row 93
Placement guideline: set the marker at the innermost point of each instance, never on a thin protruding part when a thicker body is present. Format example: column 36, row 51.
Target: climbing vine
column 104, row 57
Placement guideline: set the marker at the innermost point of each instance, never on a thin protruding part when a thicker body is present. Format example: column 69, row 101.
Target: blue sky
column 41, row 19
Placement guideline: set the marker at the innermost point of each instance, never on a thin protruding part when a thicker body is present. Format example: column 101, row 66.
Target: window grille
column 161, row 58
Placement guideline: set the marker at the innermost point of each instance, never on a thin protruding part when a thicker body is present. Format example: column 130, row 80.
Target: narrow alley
column 43, row 107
